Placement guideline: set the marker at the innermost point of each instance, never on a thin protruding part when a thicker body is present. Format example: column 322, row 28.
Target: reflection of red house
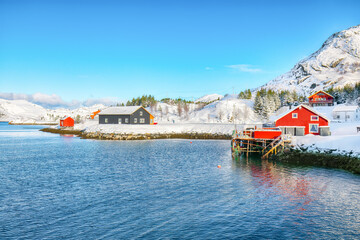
column 303, row 120
column 321, row 98
column 67, row 122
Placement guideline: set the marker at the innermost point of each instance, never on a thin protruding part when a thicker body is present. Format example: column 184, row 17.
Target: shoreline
column 35, row 124
column 327, row 159
column 137, row 136
column 293, row 155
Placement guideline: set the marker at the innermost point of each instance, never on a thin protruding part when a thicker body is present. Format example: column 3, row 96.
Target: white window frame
column 317, row 127
column 135, row 120
column 126, row 120
column 294, row 115
column 106, row 120
column 317, row 118
column 142, row 120
column 120, row 121
column 141, row 113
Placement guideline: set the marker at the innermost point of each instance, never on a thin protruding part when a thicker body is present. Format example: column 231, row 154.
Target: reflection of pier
column 263, row 141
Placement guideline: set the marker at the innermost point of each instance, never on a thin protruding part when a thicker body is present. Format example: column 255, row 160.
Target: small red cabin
column 321, row 98
column 67, row 122
column 303, row 120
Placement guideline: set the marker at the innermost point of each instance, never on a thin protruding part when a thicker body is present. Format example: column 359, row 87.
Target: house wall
column 68, row 122
column 114, row 119
column 303, row 119
column 341, row 115
column 321, row 99
column 137, row 115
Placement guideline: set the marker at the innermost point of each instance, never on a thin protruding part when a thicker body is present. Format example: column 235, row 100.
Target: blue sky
column 81, row 50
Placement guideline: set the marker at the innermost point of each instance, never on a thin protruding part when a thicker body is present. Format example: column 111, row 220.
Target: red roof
column 321, row 92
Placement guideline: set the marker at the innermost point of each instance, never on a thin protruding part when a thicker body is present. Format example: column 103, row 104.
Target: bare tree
column 186, row 110
column 246, row 114
column 220, row 115
column 235, row 113
column 161, row 112
column 179, row 109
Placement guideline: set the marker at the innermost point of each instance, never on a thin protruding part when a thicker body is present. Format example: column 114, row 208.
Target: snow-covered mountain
column 23, row 111
column 228, row 109
column 335, row 64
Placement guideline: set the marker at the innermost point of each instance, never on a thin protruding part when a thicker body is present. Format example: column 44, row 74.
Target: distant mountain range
column 23, row 111
column 335, row 64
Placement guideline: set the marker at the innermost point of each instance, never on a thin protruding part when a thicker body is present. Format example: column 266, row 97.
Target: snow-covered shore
column 163, row 128
column 344, row 137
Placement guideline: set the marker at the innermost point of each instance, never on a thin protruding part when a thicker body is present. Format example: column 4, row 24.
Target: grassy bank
column 346, row 161
column 11, row 123
column 62, row 131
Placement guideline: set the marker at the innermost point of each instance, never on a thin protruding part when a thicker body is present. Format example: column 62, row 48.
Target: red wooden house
column 67, row 122
column 303, row 120
column 321, row 98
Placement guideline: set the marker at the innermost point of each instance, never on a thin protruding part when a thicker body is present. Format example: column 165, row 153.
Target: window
column 294, row 115
column 141, row 113
column 314, row 118
column 106, row 120
column 135, row 120
column 126, row 120
column 119, row 120
column 142, row 120
column 313, row 128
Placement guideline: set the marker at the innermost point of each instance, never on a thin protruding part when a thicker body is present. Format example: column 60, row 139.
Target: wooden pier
column 265, row 145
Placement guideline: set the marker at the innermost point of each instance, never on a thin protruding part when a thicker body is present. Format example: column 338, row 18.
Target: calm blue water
column 63, row 187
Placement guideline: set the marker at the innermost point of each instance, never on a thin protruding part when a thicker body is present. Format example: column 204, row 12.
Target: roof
column 66, row 118
column 128, row 110
column 304, row 106
column 322, row 92
column 343, row 108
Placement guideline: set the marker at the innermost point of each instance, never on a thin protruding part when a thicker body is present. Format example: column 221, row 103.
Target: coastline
column 138, row 136
column 328, row 159
column 299, row 155
column 45, row 123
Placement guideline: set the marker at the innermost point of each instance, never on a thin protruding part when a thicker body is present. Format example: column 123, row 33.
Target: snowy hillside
column 22, row 111
column 335, row 64
column 229, row 109
column 209, row 98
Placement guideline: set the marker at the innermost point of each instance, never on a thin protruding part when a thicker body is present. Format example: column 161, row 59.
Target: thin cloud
column 55, row 101
column 245, row 68
column 208, row 68
column 104, row 101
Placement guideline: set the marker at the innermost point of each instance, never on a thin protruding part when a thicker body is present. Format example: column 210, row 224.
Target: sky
column 66, row 52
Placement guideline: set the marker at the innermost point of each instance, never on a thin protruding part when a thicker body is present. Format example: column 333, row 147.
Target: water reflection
column 271, row 178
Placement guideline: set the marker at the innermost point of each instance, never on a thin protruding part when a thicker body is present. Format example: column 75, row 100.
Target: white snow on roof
column 65, row 118
column 119, row 110
column 342, row 108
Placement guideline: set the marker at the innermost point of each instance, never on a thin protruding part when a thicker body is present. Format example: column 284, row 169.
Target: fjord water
column 64, row 187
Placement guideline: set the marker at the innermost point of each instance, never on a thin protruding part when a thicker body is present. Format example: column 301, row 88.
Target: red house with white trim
column 303, row 120
column 67, row 122
column 321, row 98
